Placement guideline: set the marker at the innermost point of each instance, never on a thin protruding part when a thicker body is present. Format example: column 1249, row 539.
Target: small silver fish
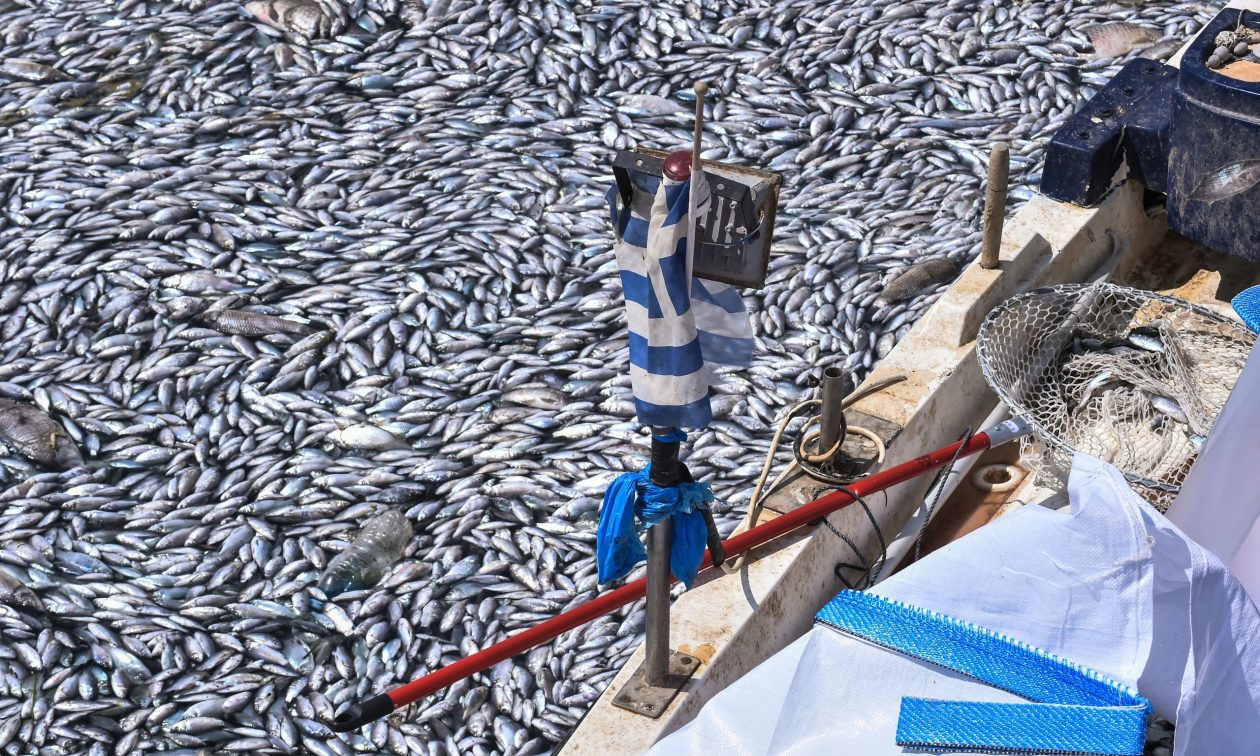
column 1094, row 386
column 1146, row 338
column 1228, row 181
column 364, row 436
column 1169, row 407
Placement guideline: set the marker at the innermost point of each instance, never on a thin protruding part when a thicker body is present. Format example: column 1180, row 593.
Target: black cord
column 868, row 569
column 936, row 485
column 818, row 472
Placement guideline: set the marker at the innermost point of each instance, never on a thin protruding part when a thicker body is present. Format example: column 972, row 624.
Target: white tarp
column 1219, row 504
column 1112, row 585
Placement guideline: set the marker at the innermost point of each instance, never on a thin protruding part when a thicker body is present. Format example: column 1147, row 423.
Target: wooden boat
column 733, row 623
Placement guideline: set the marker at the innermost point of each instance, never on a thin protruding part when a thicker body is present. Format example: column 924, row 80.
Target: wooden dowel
column 995, row 205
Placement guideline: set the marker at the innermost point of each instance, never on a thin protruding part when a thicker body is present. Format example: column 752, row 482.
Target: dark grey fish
column 247, row 323
column 29, row 70
column 13, row 593
column 378, row 545
column 917, row 278
column 37, row 436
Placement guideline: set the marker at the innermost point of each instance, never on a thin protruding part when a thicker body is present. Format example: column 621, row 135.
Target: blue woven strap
column 1076, row 710
column 1247, row 304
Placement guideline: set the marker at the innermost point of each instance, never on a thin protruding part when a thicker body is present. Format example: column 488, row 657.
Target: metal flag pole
column 660, row 539
column 663, row 670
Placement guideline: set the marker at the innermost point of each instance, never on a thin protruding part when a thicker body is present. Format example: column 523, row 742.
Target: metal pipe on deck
column 656, row 643
column 836, row 385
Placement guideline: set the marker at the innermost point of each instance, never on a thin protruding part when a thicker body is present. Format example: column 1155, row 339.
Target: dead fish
column 378, row 545
column 649, row 103
column 916, row 278
column 199, row 282
column 37, row 436
column 299, row 16
column 1169, row 407
column 1162, row 50
column 1146, row 338
column 1096, row 384
column 13, row 593
column 252, row 323
column 364, row 436
column 1118, row 38
column 1223, row 183
column 29, row 70
column 179, row 308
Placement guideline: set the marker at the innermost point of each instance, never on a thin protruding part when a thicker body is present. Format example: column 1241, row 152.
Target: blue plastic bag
column 633, row 496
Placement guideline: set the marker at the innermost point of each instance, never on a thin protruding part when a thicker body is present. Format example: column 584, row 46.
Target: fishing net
column 1133, row 378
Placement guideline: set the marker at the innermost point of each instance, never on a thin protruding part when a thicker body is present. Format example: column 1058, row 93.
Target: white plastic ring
column 997, row 478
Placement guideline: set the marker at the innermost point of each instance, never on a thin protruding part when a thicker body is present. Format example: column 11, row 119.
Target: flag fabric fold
column 680, row 328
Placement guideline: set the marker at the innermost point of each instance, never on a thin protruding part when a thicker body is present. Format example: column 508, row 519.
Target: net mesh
column 1134, row 378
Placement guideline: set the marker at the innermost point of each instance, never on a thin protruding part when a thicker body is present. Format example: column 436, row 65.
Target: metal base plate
column 650, row 701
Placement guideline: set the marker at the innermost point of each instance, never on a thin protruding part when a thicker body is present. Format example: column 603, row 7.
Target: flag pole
column 701, row 88
column 693, row 222
column 716, row 551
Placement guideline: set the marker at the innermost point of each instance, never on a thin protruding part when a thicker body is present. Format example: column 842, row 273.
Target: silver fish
column 1227, row 181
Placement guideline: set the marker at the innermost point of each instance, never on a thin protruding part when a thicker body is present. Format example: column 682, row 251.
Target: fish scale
column 422, row 184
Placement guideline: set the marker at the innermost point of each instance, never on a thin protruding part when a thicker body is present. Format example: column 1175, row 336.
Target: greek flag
column 680, row 327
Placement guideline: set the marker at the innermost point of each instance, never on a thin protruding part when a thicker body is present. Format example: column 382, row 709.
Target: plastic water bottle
column 379, row 544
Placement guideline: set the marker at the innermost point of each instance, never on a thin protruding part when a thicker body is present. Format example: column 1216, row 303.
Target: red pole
column 381, row 705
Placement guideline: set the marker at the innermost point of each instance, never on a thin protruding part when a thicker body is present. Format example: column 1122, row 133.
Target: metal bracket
column 652, row 700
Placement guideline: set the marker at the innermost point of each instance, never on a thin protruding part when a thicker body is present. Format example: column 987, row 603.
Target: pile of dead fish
column 271, row 269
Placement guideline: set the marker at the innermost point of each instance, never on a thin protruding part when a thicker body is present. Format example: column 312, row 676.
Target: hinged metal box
column 733, row 238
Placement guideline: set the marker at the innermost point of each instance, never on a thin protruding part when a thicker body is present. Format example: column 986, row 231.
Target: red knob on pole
column 678, row 166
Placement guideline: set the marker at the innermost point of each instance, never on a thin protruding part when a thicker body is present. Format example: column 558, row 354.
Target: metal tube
column 836, row 385
column 701, row 88
column 381, row 705
column 660, row 539
column 995, row 205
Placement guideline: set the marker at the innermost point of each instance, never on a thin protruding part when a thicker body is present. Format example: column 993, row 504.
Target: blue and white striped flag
column 680, row 327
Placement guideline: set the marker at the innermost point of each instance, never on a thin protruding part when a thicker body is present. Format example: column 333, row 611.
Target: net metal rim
column 1010, row 305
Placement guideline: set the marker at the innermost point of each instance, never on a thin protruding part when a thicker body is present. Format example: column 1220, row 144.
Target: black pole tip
column 359, row 715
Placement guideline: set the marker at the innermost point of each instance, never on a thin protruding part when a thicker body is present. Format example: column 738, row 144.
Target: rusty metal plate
column 650, row 701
